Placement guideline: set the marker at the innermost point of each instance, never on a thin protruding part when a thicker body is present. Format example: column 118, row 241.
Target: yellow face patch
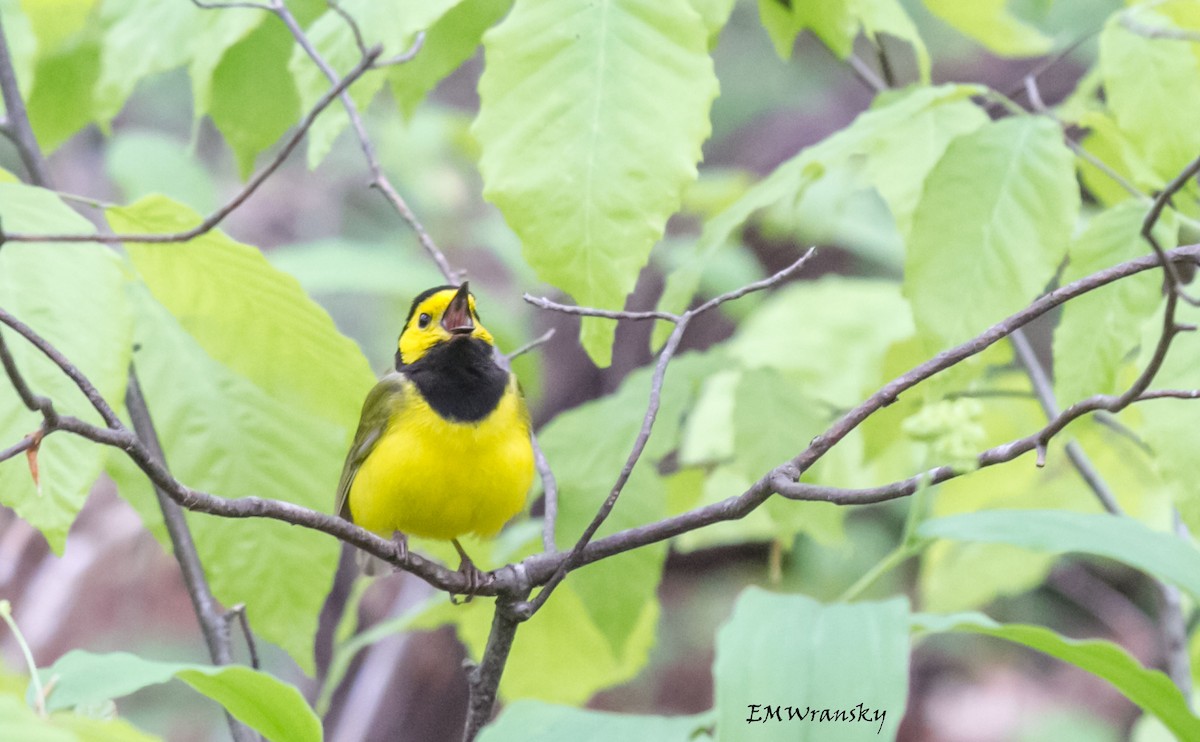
column 424, row 329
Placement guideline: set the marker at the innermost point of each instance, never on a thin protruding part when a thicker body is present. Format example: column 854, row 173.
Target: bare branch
column 238, row 613
column 538, row 341
column 639, row 444
column 483, row 679
column 544, row 303
column 212, row 220
column 549, row 496
column 378, row 179
column 93, row 395
column 1044, row 391
column 16, row 123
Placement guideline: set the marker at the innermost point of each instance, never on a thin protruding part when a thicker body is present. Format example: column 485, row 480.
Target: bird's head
column 443, row 314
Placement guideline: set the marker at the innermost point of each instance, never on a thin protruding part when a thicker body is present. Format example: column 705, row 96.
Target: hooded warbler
column 443, row 446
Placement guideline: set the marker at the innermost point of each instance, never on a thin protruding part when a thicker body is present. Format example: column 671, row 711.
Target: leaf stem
column 39, row 694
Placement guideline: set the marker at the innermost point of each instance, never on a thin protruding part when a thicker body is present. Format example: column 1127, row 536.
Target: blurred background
column 115, row 588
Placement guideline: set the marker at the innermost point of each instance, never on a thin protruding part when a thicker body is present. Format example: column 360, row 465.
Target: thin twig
column 542, row 302
column 238, row 613
column 549, row 497
column 537, row 341
column 1171, row 275
column 74, row 374
column 639, row 444
column 252, row 185
column 378, row 179
column 1044, row 391
column 16, row 124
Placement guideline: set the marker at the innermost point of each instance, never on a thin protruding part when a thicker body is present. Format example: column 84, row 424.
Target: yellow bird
column 443, row 446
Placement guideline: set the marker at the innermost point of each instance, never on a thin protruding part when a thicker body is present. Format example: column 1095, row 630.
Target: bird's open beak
column 457, row 319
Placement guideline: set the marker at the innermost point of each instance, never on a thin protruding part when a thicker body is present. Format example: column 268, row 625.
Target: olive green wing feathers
column 377, row 410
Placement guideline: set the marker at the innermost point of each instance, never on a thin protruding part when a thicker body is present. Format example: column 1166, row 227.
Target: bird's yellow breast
column 431, row 477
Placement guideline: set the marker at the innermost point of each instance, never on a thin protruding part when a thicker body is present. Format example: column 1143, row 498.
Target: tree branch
column 539, row 568
column 16, row 122
column 483, row 679
column 252, row 185
column 378, row 179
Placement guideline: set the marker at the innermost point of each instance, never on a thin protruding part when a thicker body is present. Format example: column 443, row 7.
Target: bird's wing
column 385, row 397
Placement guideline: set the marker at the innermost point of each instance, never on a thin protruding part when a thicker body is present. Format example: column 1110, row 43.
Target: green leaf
column 246, row 314
column 587, row 170
column 93, row 329
column 617, row 590
column 141, row 38
column 225, row 435
column 715, row 14
column 265, row 367
column 990, row 23
column 774, row 419
column 271, row 707
column 19, row 722
column 1152, row 87
column 143, row 161
column 392, row 23
column 991, row 228
column 533, row 721
column 1169, row 426
column 898, row 141
column 1100, row 331
column 449, row 42
column 1150, row 690
column 222, row 31
column 54, row 23
column 1107, row 143
column 837, row 333
column 1126, row 540
column 58, row 105
column 561, row 655
column 253, row 98
column 779, row 650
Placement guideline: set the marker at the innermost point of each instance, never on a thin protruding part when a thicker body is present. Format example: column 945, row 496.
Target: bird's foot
column 468, row 570
column 400, row 542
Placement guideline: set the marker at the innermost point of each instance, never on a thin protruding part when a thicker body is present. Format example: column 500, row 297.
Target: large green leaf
column 141, row 38
column 834, row 671
column 246, row 314
column 392, row 23
column 20, row 722
column 223, row 434
column 1152, row 86
column 897, row 142
column 253, row 99
column 272, row 396
column 991, row 228
column 60, row 102
column 1150, row 690
column 533, row 721
column 835, row 334
column 591, row 119
column 991, row 24
column 452, row 40
column 73, row 295
column 1100, row 331
column 774, row 418
column 271, row 707
column 617, row 590
column 1161, row 554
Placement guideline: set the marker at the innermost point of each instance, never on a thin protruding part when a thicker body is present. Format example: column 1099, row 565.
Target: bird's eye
column 423, row 320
